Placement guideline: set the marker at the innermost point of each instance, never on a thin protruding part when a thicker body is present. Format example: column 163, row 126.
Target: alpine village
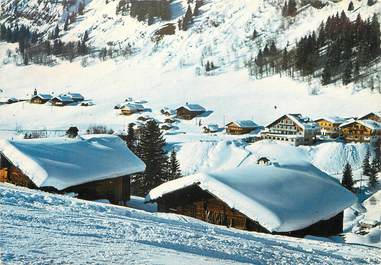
column 190, row 132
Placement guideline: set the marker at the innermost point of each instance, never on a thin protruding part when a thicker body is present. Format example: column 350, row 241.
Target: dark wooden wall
column 116, row 190
column 195, row 202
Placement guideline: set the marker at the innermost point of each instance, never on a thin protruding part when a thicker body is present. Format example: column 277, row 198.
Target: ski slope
column 40, row 228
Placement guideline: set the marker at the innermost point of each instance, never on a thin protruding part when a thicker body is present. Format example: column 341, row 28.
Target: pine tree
column 350, row 6
column 292, row 8
column 370, row 2
column 174, row 167
column 347, row 75
column 347, row 180
column 326, row 76
column 151, row 151
column 66, row 26
column 373, row 181
column 131, row 137
column 56, row 32
column 366, row 164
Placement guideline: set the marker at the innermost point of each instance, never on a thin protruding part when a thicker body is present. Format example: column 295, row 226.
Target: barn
column 294, row 199
column 189, row 111
column 95, row 167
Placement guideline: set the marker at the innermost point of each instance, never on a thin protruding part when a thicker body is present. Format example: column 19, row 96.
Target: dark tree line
column 267, row 61
column 149, row 145
column 187, row 19
column 145, row 10
column 33, row 49
column 338, row 50
column 289, row 8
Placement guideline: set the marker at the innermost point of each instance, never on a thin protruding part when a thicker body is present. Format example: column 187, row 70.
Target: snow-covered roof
column 377, row 113
column 281, row 197
column 43, row 96
column 64, row 98
column 193, row 107
column 371, row 124
column 212, row 127
column 333, row 119
column 65, row 162
column 133, row 106
column 303, row 122
column 245, row 123
column 75, row 96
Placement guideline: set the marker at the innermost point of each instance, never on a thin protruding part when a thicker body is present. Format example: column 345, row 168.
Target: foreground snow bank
column 38, row 227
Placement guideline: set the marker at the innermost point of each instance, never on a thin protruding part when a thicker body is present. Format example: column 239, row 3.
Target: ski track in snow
column 40, row 228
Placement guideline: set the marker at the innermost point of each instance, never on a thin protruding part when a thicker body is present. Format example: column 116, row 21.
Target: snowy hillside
column 38, row 227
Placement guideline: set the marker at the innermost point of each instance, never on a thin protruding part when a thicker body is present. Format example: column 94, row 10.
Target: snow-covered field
column 41, row 228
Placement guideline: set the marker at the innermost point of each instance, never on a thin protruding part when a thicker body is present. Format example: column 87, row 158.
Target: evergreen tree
column 326, row 76
column 131, row 137
column 151, row 151
column 373, row 181
column 66, row 26
column 347, row 180
column 350, row 6
column 56, row 32
column 347, row 75
column 174, row 167
column 370, row 2
column 291, row 11
column 366, row 164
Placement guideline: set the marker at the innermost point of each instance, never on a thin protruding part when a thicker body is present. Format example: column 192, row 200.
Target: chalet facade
column 292, row 128
column 189, row 111
column 40, row 98
column 375, row 116
column 61, row 100
column 243, row 199
column 241, row 127
column 330, row 126
column 362, row 131
column 94, row 167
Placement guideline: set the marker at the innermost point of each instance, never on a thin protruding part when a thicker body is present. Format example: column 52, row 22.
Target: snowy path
column 40, row 228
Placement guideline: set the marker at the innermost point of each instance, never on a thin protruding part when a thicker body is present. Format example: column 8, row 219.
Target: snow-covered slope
column 37, row 228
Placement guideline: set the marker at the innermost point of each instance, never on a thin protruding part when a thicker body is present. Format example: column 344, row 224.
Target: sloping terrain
column 39, row 228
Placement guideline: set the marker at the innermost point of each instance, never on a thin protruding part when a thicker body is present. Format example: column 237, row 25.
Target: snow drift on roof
column 43, row 96
column 245, row 123
column 377, row 113
column 333, row 119
column 371, row 124
column 193, row 107
column 65, row 162
column 281, row 198
column 64, row 98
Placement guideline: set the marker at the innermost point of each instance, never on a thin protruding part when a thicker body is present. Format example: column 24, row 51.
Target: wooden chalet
column 256, row 199
column 61, row 100
column 40, row 98
column 330, row 126
column 94, row 167
column 189, row 111
column 362, row 131
column 241, row 127
column 375, row 116
column 131, row 108
column 292, row 128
